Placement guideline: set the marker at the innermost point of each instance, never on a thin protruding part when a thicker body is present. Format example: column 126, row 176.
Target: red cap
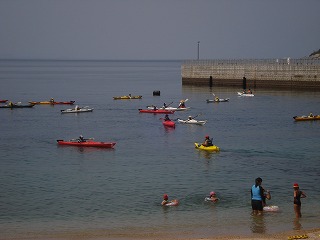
column 207, row 136
column 295, row 185
column 165, row 196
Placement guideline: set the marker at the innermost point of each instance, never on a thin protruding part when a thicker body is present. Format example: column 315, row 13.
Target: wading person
column 297, row 195
column 257, row 196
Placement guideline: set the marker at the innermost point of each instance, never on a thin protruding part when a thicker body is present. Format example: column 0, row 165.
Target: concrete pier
column 265, row 73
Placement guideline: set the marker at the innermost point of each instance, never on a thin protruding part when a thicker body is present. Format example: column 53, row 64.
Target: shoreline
column 107, row 234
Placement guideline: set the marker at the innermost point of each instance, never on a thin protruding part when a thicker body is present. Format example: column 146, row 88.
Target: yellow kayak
column 210, row 148
column 52, row 102
column 127, row 97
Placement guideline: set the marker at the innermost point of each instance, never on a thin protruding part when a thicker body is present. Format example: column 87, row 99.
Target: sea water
column 49, row 189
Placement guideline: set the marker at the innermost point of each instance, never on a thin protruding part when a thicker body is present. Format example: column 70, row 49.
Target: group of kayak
column 12, row 105
column 76, row 109
column 244, row 93
column 167, row 122
column 31, row 104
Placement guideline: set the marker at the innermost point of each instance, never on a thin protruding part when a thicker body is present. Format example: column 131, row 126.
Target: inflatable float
column 271, row 209
column 174, row 202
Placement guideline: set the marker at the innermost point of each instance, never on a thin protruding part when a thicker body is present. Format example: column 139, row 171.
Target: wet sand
column 109, row 235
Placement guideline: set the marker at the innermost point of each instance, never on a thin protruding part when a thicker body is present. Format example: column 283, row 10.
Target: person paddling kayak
column 207, row 142
column 81, row 139
column 166, row 118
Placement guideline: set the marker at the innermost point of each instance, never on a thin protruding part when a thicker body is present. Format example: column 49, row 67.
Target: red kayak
column 161, row 111
column 87, row 143
column 3, row 101
column 169, row 124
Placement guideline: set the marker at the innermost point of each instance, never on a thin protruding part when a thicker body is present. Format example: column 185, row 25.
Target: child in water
column 166, row 201
column 212, row 197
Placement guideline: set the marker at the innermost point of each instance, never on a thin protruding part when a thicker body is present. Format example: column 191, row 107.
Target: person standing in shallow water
column 297, row 194
column 257, row 196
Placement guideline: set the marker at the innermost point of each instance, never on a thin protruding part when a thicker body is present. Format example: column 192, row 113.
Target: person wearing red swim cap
column 213, row 197
column 297, row 194
column 166, row 201
column 207, row 141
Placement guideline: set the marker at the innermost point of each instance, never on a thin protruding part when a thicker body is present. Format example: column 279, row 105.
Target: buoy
column 156, row 93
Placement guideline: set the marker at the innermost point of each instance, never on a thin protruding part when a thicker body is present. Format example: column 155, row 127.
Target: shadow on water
column 86, row 149
column 206, row 155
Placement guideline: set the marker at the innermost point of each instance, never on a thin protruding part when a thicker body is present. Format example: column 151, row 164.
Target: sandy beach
column 109, row 235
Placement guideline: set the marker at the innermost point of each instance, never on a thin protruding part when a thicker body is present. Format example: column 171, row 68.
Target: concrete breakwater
column 265, row 73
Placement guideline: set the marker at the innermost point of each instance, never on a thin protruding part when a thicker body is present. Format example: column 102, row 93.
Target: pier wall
column 266, row 73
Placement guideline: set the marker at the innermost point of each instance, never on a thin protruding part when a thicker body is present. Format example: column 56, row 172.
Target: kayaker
column 77, row 107
column 249, row 91
column 207, row 141
column 297, row 194
column 182, row 104
column 52, row 100
column 81, row 139
column 310, row 114
column 166, row 117
column 190, row 118
column 130, row 95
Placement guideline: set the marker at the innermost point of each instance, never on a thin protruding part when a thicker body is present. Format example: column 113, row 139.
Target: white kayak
column 245, row 94
column 218, row 100
column 170, row 108
column 177, row 109
column 192, row 121
column 77, row 110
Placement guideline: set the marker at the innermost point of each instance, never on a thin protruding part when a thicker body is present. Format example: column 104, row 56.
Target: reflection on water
column 258, row 224
column 206, row 154
column 296, row 224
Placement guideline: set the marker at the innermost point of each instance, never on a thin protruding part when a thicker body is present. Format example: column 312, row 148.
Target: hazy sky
column 158, row 29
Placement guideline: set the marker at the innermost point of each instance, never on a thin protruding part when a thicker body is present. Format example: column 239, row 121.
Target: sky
column 158, row 29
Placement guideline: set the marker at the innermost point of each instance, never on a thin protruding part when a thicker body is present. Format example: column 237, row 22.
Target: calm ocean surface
column 117, row 193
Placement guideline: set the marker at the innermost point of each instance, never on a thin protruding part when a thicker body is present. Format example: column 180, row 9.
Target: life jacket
column 256, row 193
